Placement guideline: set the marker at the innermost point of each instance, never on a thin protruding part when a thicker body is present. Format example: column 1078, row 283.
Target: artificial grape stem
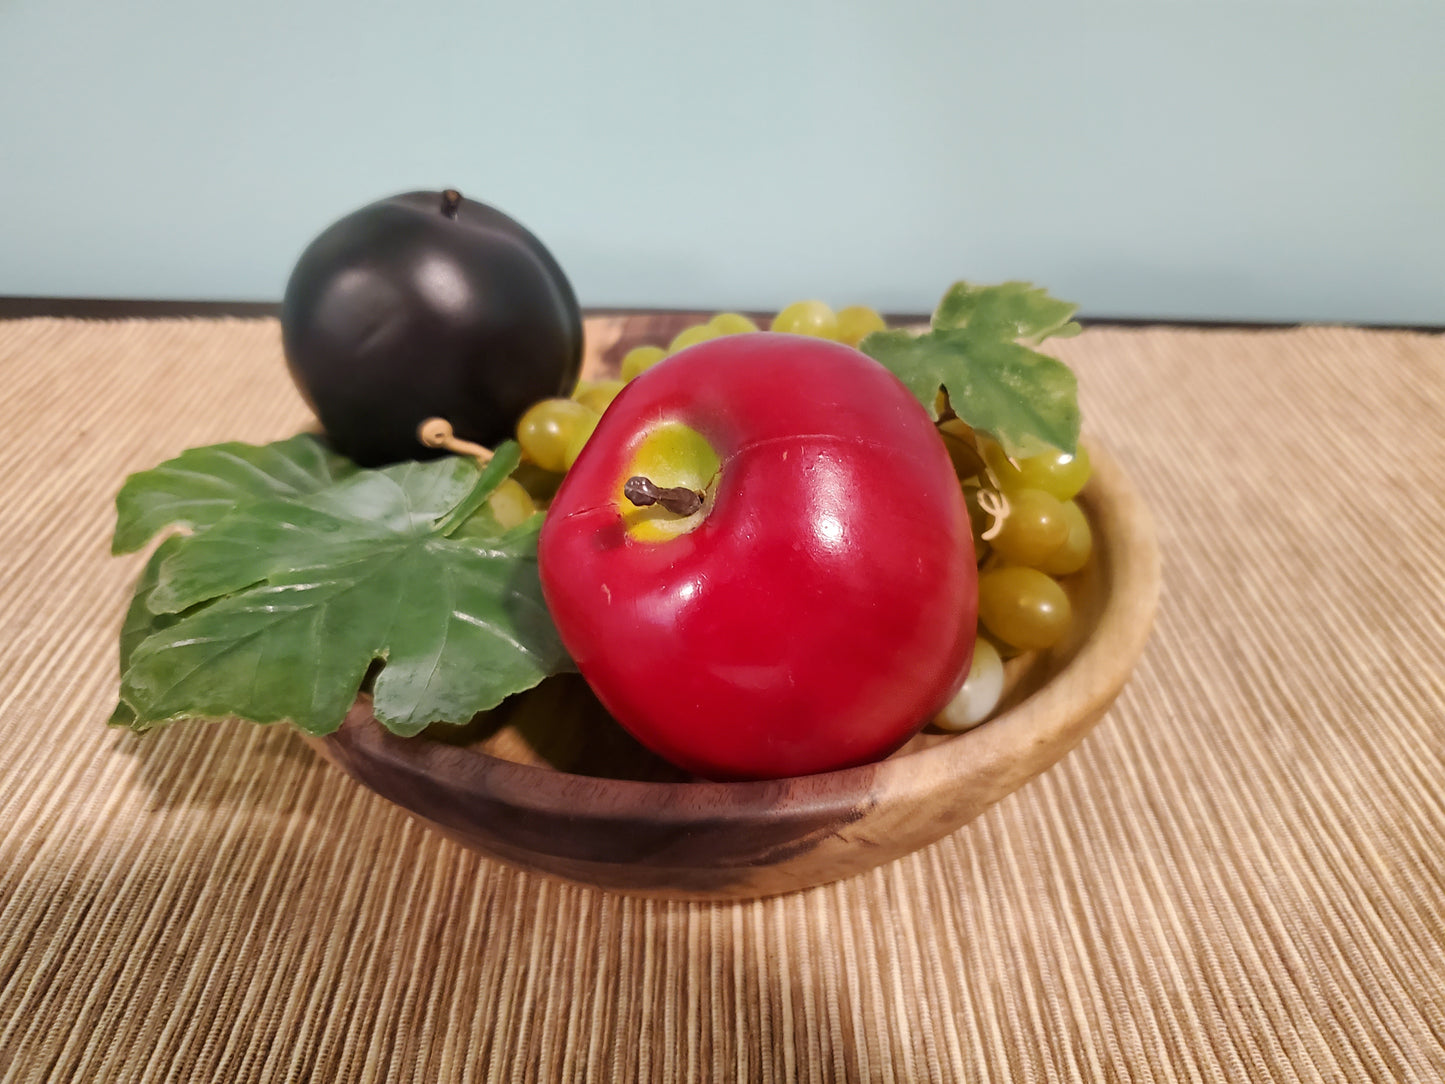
column 995, row 504
column 679, row 500
column 437, row 433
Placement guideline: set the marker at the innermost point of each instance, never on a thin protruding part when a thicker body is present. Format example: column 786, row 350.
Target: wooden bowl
column 550, row 783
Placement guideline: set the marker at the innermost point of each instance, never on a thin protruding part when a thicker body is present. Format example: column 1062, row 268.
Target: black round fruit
column 421, row 305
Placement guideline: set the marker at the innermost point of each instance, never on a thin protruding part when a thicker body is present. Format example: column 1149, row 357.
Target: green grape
column 807, row 318
column 691, row 336
column 1056, row 473
column 1074, row 553
column 598, row 396
column 857, row 322
column 639, row 358
column 541, row 485
column 1033, row 529
column 1005, row 651
column 578, row 440
column 980, row 694
column 1023, row 607
column 510, row 503
column 547, row 427
column 731, row 323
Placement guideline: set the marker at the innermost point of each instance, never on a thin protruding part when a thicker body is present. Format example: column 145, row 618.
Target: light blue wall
column 1265, row 159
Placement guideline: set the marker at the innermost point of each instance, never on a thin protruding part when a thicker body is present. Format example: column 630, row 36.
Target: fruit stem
column 451, row 200
column 996, row 505
column 437, row 433
column 679, row 500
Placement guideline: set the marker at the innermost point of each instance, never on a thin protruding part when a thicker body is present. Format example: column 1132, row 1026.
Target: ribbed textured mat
column 1239, row 876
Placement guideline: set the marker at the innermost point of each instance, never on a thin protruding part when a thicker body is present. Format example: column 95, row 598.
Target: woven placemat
column 1238, row 876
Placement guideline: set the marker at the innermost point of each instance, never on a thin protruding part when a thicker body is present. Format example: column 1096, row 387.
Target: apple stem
column 678, row 500
column 451, row 200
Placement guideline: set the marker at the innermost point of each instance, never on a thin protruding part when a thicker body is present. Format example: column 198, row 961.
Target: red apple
column 816, row 608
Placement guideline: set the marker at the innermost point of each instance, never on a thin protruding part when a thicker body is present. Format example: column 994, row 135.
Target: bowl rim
column 1062, row 710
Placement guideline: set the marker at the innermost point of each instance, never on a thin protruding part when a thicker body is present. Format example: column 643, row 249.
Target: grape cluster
column 553, row 432
column 1028, row 531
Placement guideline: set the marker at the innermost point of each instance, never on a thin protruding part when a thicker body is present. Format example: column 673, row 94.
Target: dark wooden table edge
column 108, row 308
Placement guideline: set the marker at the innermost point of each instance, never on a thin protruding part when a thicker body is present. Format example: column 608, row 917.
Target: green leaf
column 123, row 715
column 1009, row 310
column 1025, row 400
column 200, row 486
column 140, row 622
column 310, row 589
